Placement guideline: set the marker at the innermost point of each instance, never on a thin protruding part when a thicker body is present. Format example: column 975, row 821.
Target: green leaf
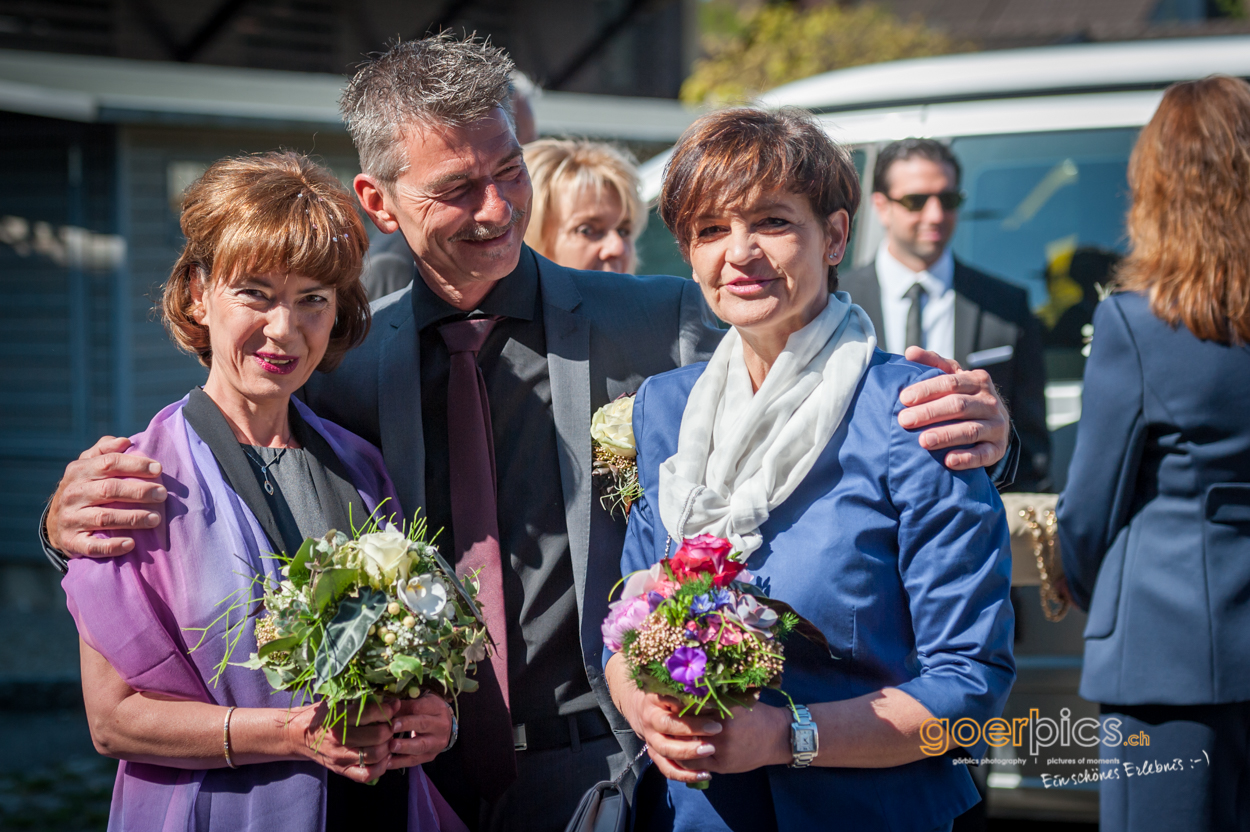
column 406, row 664
column 278, row 678
column 278, row 645
column 457, row 584
column 298, row 572
column 330, row 585
column 347, row 632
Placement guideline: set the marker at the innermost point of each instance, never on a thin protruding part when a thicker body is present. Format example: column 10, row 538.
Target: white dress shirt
column 937, row 315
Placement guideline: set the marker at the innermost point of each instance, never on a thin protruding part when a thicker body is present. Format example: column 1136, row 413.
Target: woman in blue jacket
column 1155, row 522
column 788, row 444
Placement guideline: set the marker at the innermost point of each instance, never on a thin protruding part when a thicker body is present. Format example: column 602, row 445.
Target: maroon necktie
column 487, row 725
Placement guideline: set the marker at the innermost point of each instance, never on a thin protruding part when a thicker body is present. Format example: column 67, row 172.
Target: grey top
column 294, row 502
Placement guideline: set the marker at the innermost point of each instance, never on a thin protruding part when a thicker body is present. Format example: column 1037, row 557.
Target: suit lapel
column 568, row 364
column 399, row 413
column 967, row 317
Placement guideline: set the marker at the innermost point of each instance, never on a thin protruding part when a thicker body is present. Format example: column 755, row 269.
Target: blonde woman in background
column 587, row 212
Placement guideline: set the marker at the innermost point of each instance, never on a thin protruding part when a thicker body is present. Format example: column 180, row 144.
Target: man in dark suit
column 918, row 294
column 442, row 167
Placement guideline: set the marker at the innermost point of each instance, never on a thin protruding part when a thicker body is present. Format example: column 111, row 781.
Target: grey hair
column 439, row 79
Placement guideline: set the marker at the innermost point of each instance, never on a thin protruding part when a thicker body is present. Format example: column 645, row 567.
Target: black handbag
column 603, row 808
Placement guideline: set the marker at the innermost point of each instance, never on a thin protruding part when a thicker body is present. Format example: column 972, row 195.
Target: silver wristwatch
column 804, row 738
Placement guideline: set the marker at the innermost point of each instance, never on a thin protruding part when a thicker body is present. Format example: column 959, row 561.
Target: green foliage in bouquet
column 380, row 614
column 739, row 662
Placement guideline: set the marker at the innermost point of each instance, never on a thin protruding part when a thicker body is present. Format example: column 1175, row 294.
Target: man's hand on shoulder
column 964, row 405
column 105, row 488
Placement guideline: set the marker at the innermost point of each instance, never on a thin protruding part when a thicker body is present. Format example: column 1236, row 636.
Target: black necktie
column 915, row 334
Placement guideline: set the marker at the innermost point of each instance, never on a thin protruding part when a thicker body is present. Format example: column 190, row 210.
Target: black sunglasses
column 950, row 200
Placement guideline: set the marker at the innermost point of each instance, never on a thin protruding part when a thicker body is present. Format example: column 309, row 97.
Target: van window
column 1046, row 211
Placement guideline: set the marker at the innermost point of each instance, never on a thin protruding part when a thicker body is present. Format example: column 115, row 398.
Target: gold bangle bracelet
column 225, row 737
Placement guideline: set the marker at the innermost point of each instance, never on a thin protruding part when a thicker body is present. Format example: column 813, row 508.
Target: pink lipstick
column 272, row 362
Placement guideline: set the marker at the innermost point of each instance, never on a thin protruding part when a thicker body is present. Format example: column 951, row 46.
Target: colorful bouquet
column 612, row 443
column 378, row 615
column 690, row 629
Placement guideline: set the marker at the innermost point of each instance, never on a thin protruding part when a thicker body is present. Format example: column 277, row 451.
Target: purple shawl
column 138, row 610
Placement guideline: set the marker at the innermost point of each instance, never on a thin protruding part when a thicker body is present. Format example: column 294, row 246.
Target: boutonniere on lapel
column 615, row 469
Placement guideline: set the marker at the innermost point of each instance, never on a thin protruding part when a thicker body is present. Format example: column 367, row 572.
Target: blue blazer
column 1155, row 521
column 905, row 567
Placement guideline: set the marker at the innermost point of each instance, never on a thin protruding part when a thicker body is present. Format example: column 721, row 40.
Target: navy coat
column 1155, row 521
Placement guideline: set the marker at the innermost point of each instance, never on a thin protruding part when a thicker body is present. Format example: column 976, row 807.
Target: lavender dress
column 139, row 611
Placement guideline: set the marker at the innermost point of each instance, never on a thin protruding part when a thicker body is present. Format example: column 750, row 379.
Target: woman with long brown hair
column 1155, row 521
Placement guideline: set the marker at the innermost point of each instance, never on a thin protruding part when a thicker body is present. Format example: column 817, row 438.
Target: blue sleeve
column 954, row 559
column 640, row 550
column 1109, row 443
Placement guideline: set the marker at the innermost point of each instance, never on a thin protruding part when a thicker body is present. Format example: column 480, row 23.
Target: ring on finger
column 360, row 757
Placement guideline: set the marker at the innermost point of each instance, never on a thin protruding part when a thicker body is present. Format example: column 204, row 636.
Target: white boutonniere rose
column 612, row 426
column 612, row 440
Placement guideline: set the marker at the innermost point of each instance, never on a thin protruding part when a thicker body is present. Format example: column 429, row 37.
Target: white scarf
column 741, row 454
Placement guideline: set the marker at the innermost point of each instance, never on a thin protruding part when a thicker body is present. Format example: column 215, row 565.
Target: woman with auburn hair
column 587, row 210
column 787, row 444
column 266, row 291
column 1155, row 521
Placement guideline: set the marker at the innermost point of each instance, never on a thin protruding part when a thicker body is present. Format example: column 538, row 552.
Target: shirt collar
column 897, row 278
column 513, row 296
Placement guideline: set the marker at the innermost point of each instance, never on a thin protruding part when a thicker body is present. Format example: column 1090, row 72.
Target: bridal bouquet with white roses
column 381, row 614
column 615, row 467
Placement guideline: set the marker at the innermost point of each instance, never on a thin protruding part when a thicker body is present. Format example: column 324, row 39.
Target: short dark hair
column 732, row 156
column 905, row 149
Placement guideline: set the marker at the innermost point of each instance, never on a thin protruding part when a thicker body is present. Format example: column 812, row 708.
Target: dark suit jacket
column 605, row 334
column 1154, row 523
column 989, row 313
column 389, row 266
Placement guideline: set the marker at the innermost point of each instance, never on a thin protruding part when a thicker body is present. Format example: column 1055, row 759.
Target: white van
column 1044, row 137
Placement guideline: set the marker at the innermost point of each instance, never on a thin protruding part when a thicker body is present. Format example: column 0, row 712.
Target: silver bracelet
column 225, row 737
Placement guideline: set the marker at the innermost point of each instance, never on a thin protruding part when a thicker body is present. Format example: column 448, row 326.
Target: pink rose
column 623, row 616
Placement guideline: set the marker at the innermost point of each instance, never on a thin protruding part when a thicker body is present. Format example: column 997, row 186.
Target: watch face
column 803, row 742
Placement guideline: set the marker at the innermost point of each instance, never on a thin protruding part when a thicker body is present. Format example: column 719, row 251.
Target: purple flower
column 654, row 599
column 722, row 598
column 686, row 666
column 623, row 616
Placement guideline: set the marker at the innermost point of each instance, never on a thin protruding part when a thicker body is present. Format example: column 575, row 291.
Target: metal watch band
column 804, row 738
column 455, row 727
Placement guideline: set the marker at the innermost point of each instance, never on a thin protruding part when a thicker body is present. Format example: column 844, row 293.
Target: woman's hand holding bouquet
column 377, row 636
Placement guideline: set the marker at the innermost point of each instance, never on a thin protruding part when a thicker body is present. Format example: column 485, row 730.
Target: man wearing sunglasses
column 918, row 294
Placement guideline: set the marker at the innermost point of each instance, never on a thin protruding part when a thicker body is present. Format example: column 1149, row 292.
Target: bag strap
column 616, row 781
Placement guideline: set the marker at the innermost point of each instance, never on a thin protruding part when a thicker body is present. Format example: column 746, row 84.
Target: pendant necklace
column 264, row 466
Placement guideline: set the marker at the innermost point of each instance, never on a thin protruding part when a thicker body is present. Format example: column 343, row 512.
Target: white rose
column 385, row 555
column 612, row 426
column 425, row 595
